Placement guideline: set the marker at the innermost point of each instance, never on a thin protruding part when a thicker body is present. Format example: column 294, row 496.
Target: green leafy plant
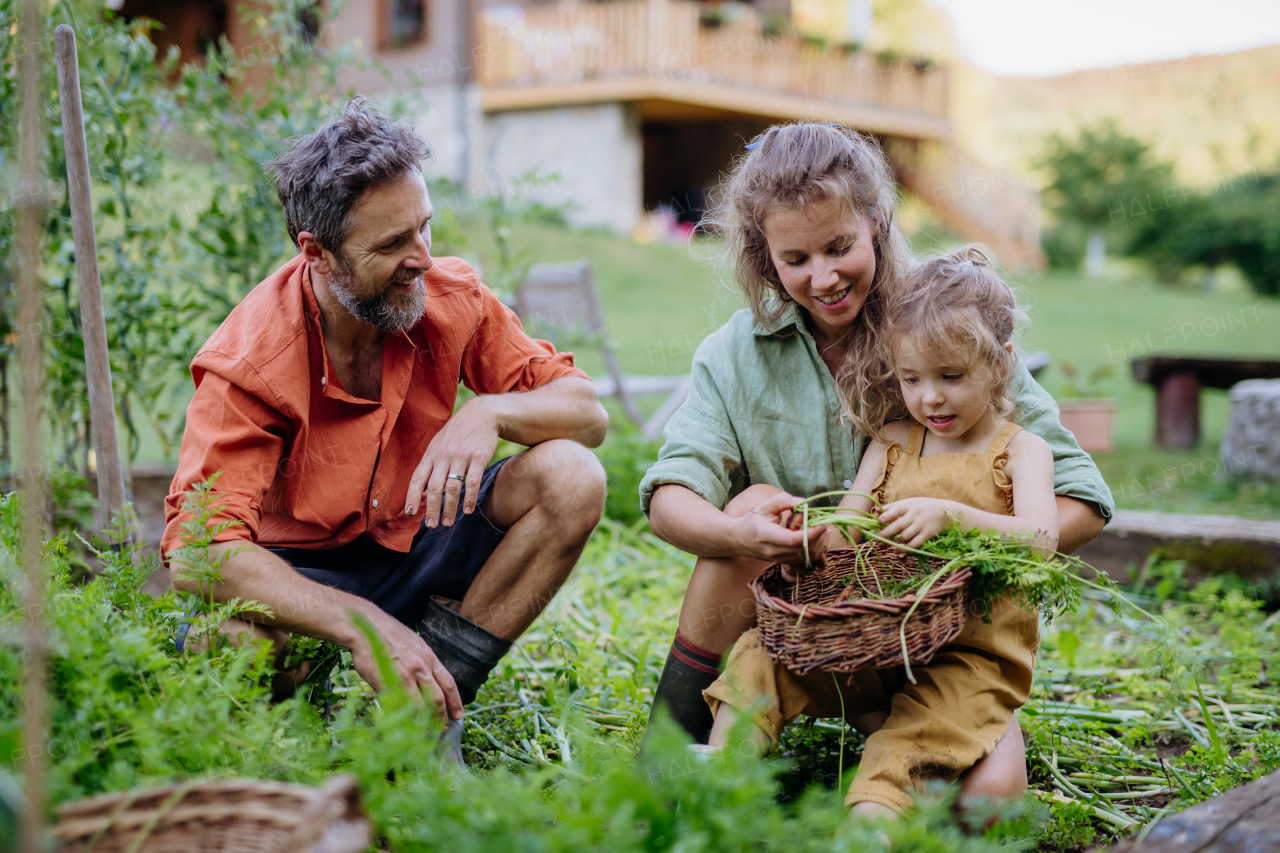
column 129, row 711
column 1000, row 565
column 1074, row 385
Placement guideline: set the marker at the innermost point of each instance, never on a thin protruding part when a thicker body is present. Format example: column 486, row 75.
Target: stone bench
column 1252, row 442
column 1178, row 380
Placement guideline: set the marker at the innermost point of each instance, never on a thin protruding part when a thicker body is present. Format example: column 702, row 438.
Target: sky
column 1033, row 38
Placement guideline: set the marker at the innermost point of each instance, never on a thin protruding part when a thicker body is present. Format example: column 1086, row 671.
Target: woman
column 808, row 215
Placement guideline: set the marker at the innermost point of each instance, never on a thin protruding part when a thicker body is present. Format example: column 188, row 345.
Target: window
column 309, row 21
column 404, row 23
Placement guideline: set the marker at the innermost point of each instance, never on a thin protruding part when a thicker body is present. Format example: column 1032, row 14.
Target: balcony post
column 656, row 34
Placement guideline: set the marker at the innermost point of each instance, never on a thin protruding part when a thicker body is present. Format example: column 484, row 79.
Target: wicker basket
column 219, row 817
column 829, row 626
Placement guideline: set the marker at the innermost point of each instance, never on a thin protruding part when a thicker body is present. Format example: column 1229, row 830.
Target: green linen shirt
column 763, row 409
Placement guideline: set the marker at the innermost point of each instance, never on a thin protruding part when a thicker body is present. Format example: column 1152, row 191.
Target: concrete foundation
column 593, row 150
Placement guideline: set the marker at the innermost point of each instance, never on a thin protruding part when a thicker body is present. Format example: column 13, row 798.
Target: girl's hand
column 914, row 521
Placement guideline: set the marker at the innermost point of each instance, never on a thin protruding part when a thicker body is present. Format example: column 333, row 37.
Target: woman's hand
column 762, row 533
column 831, row 538
column 914, row 521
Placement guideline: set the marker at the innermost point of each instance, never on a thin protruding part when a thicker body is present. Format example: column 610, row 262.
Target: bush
column 1064, row 245
column 626, row 455
column 1099, row 181
column 127, row 710
column 1239, row 223
column 1104, row 181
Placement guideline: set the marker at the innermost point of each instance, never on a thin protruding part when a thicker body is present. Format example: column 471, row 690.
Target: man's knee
column 572, row 484
column 750, row 498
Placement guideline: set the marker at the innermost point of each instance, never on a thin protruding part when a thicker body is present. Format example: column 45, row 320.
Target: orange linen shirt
column 306, row 465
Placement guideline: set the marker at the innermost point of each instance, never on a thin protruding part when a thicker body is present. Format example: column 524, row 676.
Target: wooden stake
column 102, row 406
column 31, row 353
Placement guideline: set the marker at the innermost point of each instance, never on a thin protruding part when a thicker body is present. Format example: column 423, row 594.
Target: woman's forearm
column 1078, row 523
column 680, row 517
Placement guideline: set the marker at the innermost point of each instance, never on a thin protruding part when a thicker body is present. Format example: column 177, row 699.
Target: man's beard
column 391, row 310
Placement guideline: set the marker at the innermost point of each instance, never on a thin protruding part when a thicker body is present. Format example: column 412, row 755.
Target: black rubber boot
column 469, row 652
column 689, row 670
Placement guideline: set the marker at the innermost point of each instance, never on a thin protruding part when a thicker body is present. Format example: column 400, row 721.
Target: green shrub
column 626, row 455
column 1064, row 245
column 127, row 711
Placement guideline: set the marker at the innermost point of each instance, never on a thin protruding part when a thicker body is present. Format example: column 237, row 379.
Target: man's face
column 378, row 273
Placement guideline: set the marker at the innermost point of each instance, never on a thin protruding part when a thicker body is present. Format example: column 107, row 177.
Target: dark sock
column 689, row 670
column 468, row 651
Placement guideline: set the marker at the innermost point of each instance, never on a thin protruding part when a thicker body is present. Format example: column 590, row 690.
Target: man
column 327, row 401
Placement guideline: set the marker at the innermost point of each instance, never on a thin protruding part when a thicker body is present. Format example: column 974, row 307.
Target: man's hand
column 914, row 521
column 462, row 448
column 420, row 670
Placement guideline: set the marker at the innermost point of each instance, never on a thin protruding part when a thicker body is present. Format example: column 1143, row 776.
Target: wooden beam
column 1243, row 820
column 93, row 324
column 1220, row 371
column 721, row 97
column 1210, row 544
column 31, row 758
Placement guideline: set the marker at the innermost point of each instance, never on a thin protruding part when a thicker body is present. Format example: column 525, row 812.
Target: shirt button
column 848, row 484
column 323, row 380
column 375, row 503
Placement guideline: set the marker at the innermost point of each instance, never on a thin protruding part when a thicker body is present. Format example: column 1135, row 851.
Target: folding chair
column 559, row 303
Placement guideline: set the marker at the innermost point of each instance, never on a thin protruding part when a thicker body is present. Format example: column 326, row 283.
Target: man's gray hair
column 319, row 177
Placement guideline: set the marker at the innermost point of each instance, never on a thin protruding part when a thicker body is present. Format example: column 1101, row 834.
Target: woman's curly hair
column 793, row 166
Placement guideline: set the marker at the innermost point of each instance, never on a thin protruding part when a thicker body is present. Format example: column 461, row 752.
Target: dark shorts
column 443, row 561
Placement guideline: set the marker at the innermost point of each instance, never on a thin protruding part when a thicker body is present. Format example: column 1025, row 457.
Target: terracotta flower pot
column 1091, row 422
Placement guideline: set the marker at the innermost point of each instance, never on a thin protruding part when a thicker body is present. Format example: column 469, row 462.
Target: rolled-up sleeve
column 236, row 435
column 1074, row 473
column 501, row 358
column 701, row 451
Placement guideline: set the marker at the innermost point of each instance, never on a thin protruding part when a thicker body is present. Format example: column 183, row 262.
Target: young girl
column 952, row 455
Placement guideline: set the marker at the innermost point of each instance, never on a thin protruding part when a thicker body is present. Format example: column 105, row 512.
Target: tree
column 1236, row 220
column 1101, row 182
column 180, row 241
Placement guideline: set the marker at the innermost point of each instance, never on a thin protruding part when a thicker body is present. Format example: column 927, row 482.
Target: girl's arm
column 863, row 483
column 915, row 520
column 864, row 480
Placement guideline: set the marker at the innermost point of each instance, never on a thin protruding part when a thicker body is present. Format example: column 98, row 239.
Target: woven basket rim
column 946, row 587
column 250, row 788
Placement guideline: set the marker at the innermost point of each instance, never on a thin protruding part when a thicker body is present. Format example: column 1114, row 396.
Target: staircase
column 980, row 204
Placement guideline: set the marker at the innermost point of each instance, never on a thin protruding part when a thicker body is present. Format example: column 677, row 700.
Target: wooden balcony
column 663, row 51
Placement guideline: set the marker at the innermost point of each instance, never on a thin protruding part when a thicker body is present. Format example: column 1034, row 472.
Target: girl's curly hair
column 954, row 308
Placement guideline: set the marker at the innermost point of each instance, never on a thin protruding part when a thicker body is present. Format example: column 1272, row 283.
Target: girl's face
column 825, row 260
column 946, row 397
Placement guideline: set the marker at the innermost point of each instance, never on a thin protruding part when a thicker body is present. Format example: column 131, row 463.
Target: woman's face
column 825, row 259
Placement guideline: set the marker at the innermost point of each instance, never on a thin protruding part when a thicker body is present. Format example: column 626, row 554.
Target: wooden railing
column 667, row 40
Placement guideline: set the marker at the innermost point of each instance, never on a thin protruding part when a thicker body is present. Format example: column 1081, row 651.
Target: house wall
column 594, row 149
column 438, row 61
